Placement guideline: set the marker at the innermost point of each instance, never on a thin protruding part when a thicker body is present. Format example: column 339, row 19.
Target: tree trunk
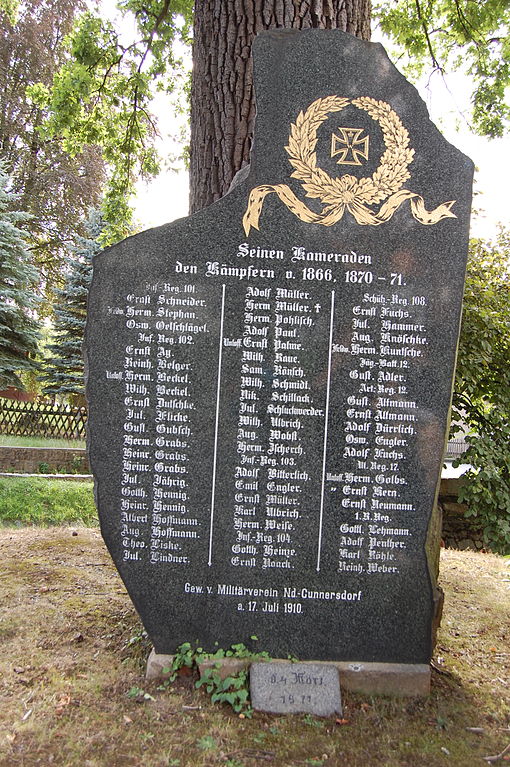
column 222, row 102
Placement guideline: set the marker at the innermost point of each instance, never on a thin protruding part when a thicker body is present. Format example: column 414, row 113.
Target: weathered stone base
column 399, row 679
column 156, row 662
column 396, row 679
column 226, row 666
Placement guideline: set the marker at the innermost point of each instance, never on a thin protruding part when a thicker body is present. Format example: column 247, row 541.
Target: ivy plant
column 232, row 689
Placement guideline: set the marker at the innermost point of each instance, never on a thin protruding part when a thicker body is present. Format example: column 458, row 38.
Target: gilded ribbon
column 333, row 213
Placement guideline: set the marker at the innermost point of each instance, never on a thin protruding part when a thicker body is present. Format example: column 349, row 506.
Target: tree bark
column 222, row 99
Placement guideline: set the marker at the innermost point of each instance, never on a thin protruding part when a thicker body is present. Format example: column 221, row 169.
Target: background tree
column 103, row 93
column 53, row 187
column 481, row 397
column 18, row 328
column 446, row 35
column 63, row 366
column 102, row 96
column 222, row 97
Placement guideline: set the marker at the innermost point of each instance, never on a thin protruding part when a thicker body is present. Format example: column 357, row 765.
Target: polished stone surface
column 268, row 406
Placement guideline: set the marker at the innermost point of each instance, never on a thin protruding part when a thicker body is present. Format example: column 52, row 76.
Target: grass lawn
column 34, row 501
column 73, row 652
column 8, row 440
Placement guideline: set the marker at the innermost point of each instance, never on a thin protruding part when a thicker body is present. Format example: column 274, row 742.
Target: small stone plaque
column 294, row 688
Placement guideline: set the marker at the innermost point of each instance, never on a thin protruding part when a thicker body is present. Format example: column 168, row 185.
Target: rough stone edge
column 394, row 679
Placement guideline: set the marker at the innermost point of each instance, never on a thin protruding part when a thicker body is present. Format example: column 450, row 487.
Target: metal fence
column 39, row 419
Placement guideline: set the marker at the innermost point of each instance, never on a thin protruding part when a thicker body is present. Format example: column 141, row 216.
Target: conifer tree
column 63, row 372
column 18, row 327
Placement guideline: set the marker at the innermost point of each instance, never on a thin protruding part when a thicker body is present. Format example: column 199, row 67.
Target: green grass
column 8, row 440
column 34, row 501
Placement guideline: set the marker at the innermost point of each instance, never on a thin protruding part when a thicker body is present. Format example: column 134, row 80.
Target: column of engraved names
column 403, row 342
column 388, row 337
column 275, row 405
column 255, row 364
column 291, row 409
column 180, row 322
column 137, row 448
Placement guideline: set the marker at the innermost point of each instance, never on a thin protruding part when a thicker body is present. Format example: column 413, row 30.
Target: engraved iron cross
column 349, row 146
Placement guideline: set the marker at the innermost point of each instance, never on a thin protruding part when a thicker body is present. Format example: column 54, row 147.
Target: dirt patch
column 72, row 648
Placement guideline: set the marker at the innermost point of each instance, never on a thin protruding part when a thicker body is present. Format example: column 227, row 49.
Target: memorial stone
column 293, row 688
column 269, row 380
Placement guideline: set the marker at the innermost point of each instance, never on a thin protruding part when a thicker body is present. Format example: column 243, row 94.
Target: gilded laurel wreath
column 347, row 193
column 349, row 190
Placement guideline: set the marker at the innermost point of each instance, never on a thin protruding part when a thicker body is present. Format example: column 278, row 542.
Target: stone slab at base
column 397, row 679
column 225, row 666
column 156, row 662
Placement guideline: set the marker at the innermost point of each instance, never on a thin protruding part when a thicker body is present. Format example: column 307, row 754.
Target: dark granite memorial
column 269, row 380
